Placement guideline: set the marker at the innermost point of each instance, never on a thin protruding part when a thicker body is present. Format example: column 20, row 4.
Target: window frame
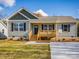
column 66, row 27
column 44, row 27
column 51, row 26
column 15, row 27
column 19, row 26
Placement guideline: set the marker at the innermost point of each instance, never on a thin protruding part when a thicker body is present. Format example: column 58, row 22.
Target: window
column 21, row 26
column 48, row 27
column 66, row 27
column 51, row 27
column 15, row 26
column 44, row 27
column 18, row 26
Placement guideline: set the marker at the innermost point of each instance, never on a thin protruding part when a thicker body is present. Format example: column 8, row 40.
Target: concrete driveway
column 64, row 50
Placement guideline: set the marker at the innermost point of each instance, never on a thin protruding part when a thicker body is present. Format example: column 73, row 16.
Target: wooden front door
column 35, row 31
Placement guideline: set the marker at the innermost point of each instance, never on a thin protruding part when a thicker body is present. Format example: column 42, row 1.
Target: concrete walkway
column 64, row 50
column 34, row 42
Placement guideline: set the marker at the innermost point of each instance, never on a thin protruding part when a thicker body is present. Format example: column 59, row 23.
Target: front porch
column 42, row 32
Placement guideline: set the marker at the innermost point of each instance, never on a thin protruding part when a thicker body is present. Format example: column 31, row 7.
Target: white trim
column 19, row 20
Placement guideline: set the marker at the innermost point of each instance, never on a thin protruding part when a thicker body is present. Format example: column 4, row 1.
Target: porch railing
column 30, row 34
column 49, row 34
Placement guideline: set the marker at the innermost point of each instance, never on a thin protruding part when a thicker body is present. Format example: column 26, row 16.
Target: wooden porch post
column 29, row 30
column 39, row 29
column 77, row 25
column 56, row 31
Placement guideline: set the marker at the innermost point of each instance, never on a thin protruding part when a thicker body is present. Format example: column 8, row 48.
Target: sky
column 51, row 7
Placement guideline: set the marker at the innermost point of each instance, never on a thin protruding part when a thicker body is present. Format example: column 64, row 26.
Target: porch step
column 33, row 38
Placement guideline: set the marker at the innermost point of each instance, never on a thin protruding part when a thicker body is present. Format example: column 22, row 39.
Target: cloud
column 1, row 8
column 4, row 4
column 7, row 3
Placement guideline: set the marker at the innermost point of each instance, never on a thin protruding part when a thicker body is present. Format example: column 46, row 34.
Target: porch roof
column 55, row 19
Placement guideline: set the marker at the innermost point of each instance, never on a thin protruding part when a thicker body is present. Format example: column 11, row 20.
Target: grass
column 20, row 50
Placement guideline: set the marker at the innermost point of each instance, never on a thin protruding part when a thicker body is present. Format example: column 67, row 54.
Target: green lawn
column 20, row 50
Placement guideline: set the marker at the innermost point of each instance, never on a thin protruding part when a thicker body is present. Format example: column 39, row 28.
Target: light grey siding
column 18, row 16
column 17, row 33
column 73, row 31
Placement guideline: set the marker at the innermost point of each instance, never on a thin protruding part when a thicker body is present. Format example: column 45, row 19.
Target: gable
column 18, row 16
column 28, row 14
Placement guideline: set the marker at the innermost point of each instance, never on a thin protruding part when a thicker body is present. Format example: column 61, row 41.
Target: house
column 26, row 24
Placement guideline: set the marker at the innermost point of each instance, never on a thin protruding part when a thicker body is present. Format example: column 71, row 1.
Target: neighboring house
column 3, row 29
column 23, row 23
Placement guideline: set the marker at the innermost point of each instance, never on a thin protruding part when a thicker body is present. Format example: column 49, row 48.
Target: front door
column 35, row 31
column 78, row 30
